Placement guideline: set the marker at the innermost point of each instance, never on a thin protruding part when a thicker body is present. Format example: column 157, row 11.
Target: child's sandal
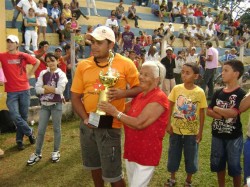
column 170, row 183
column 188, row 184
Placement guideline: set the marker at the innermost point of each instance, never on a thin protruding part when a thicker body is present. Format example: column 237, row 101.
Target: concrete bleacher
column 148, row 23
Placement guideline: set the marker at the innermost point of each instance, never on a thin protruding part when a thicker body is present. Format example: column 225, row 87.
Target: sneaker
column 20, row 146
column 32, row 139
column 55, row 156
column 33, row 159
column 1, row 153
column 97, row 15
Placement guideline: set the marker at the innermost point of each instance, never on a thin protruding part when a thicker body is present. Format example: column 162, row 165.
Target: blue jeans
column 46, row 111
column 176, row 144
column 226, row 151
column 246, row 154
column 208, row 80
column 18, row 104
column 67, row 93
column 15, row 16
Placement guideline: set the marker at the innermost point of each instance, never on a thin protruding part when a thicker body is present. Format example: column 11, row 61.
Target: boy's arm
column 169, row 127
column 245, row 103
column 211, row 113
column 226, row 112
column 202, row 119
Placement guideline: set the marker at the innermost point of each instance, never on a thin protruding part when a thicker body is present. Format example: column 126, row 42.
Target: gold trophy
column 108, row 80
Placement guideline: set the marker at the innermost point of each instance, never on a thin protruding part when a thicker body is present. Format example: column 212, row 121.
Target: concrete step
column 32, row 91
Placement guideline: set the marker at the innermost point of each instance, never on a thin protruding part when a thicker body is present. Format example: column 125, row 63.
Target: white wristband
column 119, row 115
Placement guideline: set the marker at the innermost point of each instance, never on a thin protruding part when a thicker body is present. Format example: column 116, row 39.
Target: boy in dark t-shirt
column 227, row 140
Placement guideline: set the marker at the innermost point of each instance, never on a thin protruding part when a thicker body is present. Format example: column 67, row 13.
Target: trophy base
column 100, row 112
column 100, row 121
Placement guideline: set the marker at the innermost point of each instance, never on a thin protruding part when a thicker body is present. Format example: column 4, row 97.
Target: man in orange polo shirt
column 101, row 147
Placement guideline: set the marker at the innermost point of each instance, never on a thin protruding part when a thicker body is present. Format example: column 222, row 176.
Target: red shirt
column 145, row 40
column 198, row 13
column 62, row 65
column 14, row 68
column 145, row 146
column 42, row 65
column 236, row 24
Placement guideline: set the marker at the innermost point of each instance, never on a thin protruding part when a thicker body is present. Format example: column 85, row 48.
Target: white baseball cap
column 169, row 49
column 13, row 38
column 102, row 33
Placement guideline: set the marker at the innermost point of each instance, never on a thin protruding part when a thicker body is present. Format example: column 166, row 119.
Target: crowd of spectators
column 205, row 27
column 200, row 24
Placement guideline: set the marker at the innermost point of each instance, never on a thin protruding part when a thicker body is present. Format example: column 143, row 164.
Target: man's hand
column 86, row 122
column 115, row 93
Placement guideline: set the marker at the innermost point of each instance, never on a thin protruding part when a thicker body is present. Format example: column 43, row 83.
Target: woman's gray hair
column 158, row 70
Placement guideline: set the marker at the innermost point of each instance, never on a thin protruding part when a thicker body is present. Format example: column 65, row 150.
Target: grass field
column 69, row 171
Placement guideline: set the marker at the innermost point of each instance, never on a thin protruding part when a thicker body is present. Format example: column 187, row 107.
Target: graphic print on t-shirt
column 185, row 115
column 225, row 125
column 19, row 62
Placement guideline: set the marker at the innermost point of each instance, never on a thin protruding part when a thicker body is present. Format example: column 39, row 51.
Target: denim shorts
column 226, row 151
column 101, row 148
column 190, row 146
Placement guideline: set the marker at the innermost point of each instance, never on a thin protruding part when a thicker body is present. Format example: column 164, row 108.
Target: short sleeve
column 171, row 96
column 20, row 4
column 240, row 95
column 132, row 75
column 29, row 59
column 213, row 100
column 203, row 100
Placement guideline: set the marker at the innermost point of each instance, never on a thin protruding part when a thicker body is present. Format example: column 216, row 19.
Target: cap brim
column 12, row 40
column 97, row 37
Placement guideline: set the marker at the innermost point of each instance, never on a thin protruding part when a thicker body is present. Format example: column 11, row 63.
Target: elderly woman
column 145, row 120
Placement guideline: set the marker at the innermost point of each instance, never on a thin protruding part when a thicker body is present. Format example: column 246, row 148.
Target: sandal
column 170, row 183
column 188, row 184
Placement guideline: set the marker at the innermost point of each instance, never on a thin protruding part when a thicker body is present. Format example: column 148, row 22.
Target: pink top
column 217, row 27
column 145, row 146
column 214, row 63
column 74, row 25
column 2, row 77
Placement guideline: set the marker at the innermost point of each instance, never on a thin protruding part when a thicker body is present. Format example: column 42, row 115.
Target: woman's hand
column 108, row 108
